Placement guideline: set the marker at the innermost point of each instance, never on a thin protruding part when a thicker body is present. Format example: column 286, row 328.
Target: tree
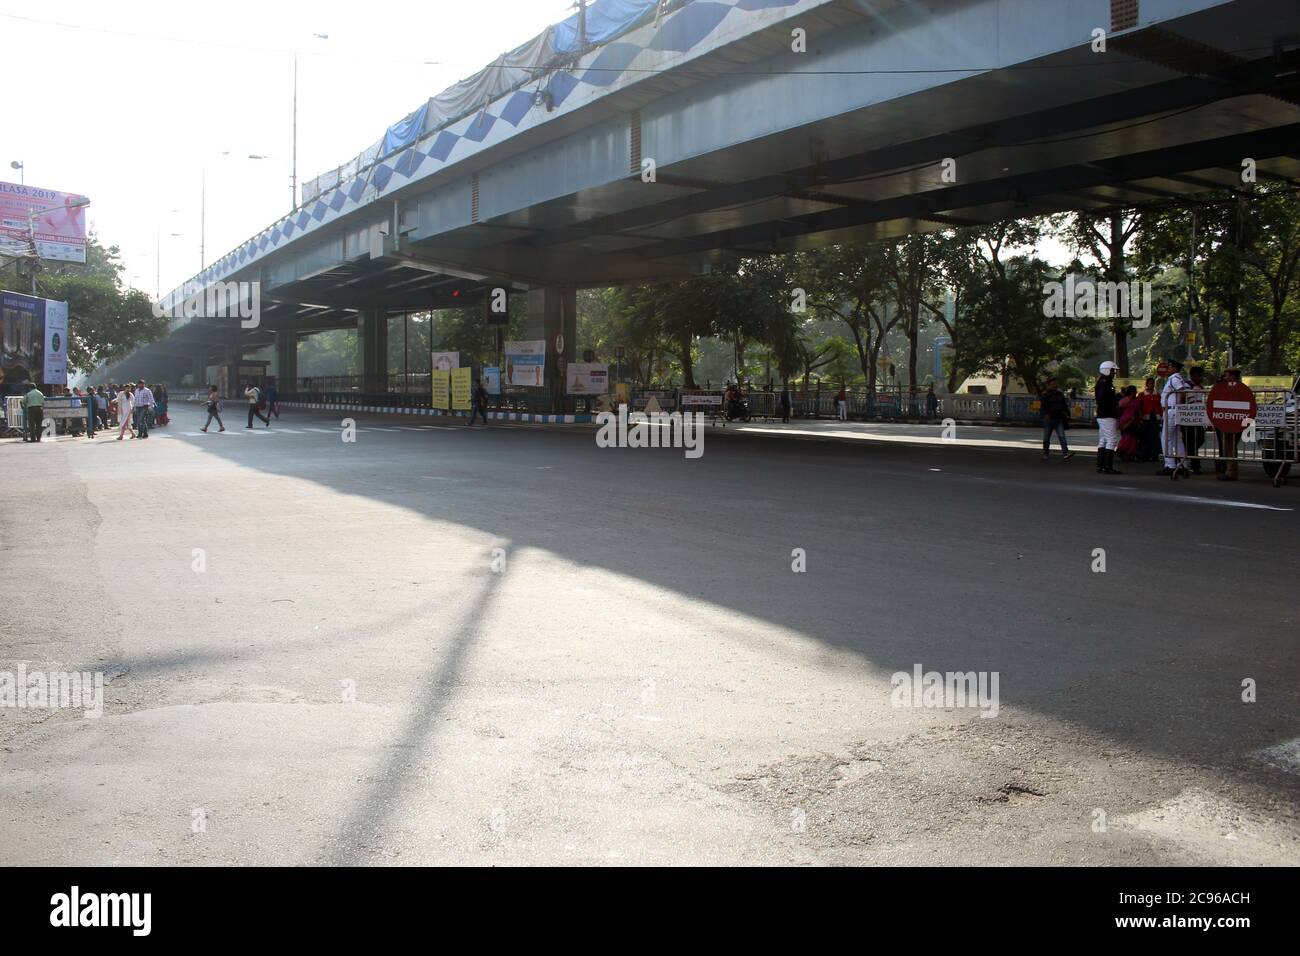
column 850, row 283
column 1272, row 252
column 911, row 264
column 964, row 270
column 105, row 322
column 1006, row 328
column 1105, row 238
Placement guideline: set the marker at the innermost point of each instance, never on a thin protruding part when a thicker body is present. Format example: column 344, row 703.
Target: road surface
column 310, row 657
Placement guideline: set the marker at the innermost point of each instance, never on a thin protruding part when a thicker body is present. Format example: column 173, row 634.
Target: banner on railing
column 460, row 389
column 441, row 381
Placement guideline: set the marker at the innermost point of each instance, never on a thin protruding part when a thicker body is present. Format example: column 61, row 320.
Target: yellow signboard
column 460, row 387
column 1267, row 381
column 441, row 381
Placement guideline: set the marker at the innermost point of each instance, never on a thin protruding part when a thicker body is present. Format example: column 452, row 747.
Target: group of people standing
column 133, row 408
column 1137, row 426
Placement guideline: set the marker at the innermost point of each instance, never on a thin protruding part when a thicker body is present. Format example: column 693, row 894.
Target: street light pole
column 22, row 171
column 293, row 180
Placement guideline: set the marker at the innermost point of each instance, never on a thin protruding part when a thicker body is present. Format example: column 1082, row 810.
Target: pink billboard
column 59, row 225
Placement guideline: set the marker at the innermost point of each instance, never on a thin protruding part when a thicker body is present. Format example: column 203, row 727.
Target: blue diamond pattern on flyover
column 517, row 107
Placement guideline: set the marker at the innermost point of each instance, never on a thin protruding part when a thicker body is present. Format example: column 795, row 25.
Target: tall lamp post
column 22, row 172
column 203, row 208
column 293, row 182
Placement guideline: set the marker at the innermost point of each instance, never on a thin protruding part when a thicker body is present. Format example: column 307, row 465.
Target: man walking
column 272, row 400
column 142, row 409
column 479, row 404
column 254, row 396
column 1107, row 419
column 125, row 401
column 787, row 402
column 34, row 412
column 214, row 408
column 1055, row 409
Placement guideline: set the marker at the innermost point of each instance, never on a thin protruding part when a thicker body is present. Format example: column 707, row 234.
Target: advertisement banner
column 460, row 388
column 445, row 361
column 586, row 378
column 526, row 362
column 441, row 382
column 492, row 379
column 60, row 227
column 33, row 340
column 56, row 343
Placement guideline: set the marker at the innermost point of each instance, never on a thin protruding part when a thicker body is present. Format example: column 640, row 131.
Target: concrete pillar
column 553, row 316
column 372, row 330
column 286, row 361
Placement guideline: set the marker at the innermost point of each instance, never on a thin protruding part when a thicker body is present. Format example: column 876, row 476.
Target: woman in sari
column 1149, row 447
column 1130, row 423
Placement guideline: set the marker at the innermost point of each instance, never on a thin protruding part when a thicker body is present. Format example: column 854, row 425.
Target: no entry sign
column 1229, row 405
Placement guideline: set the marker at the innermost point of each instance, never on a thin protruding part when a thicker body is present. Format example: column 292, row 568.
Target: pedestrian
column 1175, row 452
column 1055, row 409
column 842, row 404
column 34, row 412
column 142, row 409
column 1149, row 438
column 1107, row 419
column 1229, row 444
column 214, row 408
column 255, row 403
column 787, row 403
column 1130, row 423
column 125, row 411
column 479, row 404
column 272, row 399
column 932, row 406
column 160, row 416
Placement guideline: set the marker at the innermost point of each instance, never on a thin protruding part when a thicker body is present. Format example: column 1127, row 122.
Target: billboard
column 492, row 379
column 587, row 378
column 59, row 225
column 526, row 362
column 33, row 340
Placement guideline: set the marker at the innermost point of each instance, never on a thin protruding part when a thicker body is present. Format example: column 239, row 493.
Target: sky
column 152, row 109
column 130, row 103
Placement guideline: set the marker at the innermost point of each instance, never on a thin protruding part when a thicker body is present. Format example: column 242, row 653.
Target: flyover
column 706, row 129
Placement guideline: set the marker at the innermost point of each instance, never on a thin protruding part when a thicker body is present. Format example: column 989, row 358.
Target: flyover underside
column 1168, row 112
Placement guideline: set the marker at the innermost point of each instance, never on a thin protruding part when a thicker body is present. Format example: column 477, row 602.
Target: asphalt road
column 309, row 657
